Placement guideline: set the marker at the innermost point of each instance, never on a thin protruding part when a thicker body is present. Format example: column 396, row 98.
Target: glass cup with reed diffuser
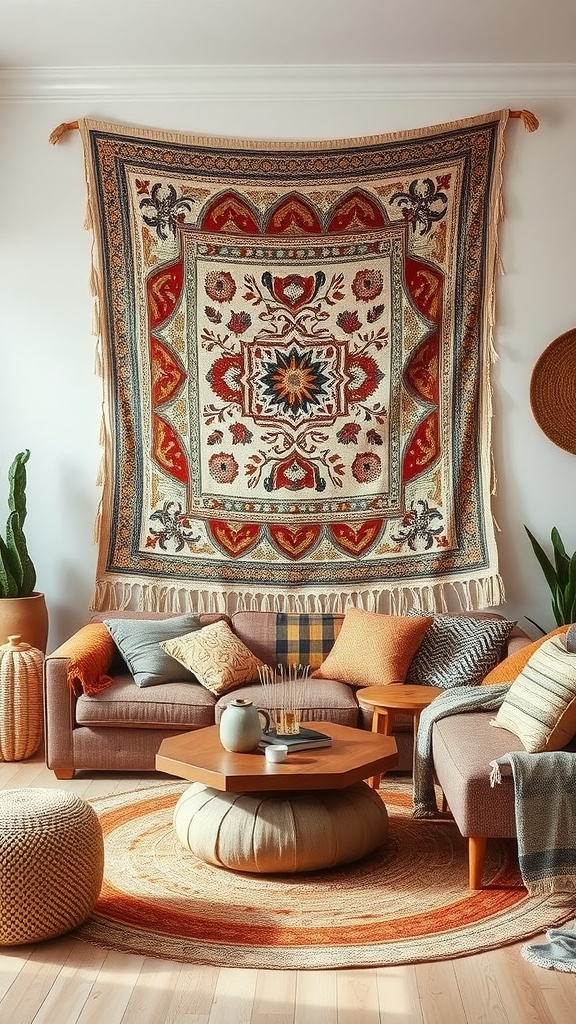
column 283, row 689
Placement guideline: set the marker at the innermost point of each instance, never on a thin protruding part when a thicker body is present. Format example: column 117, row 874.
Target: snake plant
column 560, row 576
column 17, row 573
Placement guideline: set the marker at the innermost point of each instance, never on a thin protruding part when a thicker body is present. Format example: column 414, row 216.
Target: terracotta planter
column 26, row 617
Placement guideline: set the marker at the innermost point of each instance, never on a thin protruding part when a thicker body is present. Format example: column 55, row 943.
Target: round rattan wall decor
column 553, row 391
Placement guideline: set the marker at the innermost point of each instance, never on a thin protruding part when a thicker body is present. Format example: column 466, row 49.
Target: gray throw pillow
column 571, row 638
column 138, row 641
column 459, row 651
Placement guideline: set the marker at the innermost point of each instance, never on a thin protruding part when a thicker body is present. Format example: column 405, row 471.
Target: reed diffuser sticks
column 283, row 690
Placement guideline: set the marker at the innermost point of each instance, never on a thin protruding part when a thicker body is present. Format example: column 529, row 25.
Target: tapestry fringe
column 493, row 257
column 100, row 473
column 98, row 363
column 444, row 598
column 97, row 525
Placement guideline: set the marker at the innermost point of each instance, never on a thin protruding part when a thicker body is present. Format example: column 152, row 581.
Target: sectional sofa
column 120, row 726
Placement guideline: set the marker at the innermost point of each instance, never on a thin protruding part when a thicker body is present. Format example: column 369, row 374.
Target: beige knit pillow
column 540, row 706
column 217, row 657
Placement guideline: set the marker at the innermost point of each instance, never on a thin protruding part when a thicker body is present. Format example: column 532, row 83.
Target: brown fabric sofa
column 121, row 728
column 463, row 745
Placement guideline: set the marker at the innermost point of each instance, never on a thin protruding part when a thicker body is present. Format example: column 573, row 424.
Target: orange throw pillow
column 373, row 649
column 507, row 670
column 90, row 653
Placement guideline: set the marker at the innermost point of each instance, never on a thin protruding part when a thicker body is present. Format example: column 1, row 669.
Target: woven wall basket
column 553, row 391
column 20, row 700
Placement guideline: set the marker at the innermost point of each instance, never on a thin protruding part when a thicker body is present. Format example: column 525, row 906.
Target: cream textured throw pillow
column 540, row 706
column 218, row 659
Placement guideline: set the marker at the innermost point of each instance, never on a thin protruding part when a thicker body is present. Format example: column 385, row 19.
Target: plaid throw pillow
column 305, row 639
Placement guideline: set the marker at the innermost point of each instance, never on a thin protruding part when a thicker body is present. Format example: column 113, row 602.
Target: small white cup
column 276, row 752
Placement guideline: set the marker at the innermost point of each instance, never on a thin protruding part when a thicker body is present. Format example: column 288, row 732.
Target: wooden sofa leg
column 476, row 852
column 63, row 773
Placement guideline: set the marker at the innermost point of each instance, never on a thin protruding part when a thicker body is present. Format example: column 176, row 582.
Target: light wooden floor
column 65, row 981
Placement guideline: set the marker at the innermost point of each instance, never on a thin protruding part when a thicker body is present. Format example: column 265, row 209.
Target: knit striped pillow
column 540, row 706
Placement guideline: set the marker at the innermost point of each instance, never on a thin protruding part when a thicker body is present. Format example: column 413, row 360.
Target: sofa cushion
column 373, row 649
column 507, row 670
column 462, row 748
column 138, row 641
column 540, row 706
column 321, row 700
column 459, row 650
column 216, row 656
column 165, row 705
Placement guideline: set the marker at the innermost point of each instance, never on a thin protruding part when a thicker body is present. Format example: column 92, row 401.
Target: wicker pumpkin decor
column 20, row 700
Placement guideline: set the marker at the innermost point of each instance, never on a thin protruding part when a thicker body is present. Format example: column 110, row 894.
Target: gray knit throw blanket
column 545, row 806
column 451, row 702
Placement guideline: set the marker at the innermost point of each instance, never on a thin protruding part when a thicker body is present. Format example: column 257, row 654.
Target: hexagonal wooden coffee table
column 309, row 812
column 355, row 755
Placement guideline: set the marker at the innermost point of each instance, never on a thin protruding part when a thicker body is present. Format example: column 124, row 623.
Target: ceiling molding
column 507, row 83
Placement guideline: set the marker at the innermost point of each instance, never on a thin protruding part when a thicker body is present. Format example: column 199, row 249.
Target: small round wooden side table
column 396, row 698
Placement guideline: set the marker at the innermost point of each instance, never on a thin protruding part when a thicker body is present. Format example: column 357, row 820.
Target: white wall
column 50, row 399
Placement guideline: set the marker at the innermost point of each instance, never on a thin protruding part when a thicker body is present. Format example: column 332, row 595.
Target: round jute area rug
column 408, row 902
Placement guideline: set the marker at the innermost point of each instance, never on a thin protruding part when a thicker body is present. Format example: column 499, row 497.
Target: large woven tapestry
column 295, row 342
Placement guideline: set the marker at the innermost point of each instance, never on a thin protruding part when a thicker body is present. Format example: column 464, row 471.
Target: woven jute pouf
column 277, row 832
column 51, row 863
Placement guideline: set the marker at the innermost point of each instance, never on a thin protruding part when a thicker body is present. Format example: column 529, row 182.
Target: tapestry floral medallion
column 295, row 343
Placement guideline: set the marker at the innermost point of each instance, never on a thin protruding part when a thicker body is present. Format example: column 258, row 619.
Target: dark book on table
column 303, row 740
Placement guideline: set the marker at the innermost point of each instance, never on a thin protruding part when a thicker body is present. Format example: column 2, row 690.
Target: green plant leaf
column 17, row 573
column 570, row 593
column 557, row 542
column 17, row 482
column 560, row 576
column 8, row 585
column 557, row 607
column 545, row 564
column 20, row 563
column 536, row 624
column 561, row 559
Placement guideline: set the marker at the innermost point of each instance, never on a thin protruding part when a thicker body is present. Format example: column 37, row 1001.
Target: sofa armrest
column 79, row 665
column 59, row 716
column 517, row 640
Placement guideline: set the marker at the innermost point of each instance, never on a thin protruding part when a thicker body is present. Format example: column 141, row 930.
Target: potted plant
column 22, row 609
column 560, row 576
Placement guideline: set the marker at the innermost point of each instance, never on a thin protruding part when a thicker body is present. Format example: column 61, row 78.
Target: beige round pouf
column 280, row 832
column 51, row 863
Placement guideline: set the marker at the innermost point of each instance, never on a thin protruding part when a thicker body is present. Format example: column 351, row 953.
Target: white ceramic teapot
column 241, row 725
